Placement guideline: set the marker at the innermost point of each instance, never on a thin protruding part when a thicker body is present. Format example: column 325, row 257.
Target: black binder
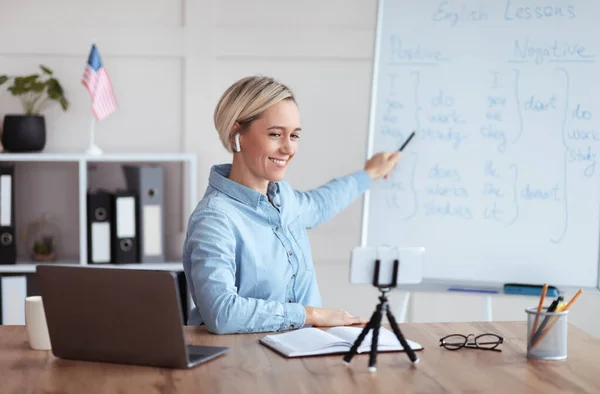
column 8, row 244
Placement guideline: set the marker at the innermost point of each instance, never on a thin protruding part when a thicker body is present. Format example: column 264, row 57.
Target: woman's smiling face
column 271, row 141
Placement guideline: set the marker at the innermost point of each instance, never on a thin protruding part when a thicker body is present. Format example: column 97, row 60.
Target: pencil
column 573, row 299
column 539, row 309
column 562, row 309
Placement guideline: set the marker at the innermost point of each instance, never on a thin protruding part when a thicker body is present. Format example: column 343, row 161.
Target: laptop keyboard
column 196, row 351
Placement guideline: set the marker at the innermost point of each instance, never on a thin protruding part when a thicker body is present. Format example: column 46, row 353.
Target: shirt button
column 290, row 253
column 291, row 326
column 293, row 276
column 277, row 229
column 278, row 204
column 291, row 300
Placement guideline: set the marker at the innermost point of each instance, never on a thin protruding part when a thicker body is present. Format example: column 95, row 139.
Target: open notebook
column 313, row 341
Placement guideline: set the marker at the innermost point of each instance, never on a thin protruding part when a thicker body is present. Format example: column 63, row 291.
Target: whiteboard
column 501, row 182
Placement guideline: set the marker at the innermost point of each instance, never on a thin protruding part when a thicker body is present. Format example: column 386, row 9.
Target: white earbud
column 237, row 142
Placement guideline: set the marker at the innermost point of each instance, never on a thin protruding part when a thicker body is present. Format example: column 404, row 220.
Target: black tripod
column 375, row 323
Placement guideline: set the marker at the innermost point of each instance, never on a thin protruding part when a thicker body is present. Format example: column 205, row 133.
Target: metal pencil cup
column 546, row 334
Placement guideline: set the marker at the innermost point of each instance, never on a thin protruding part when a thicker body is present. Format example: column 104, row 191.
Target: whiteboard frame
column 427, row 285
column 372, row 115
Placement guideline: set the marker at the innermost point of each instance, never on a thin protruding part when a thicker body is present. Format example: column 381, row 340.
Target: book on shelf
column 312, row 341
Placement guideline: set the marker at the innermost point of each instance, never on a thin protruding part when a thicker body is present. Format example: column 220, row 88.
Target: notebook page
column 386, row 341
column 336, row 349
column 306, row 340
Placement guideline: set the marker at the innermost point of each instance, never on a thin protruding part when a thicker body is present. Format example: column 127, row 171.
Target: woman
column 246, row 256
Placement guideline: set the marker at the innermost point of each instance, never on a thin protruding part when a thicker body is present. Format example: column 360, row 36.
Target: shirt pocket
column 300, row 236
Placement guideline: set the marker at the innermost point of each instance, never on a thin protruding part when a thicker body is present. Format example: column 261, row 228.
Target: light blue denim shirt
column 248, row 261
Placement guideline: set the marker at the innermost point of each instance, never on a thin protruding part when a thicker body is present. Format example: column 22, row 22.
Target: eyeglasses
column 482, row 342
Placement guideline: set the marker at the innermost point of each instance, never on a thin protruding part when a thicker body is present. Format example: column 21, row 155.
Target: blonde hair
column 244, row 102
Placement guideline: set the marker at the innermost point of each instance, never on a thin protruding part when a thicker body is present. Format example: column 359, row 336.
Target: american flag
column 96, row 80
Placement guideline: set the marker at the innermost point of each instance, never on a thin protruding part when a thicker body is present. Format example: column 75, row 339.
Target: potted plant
column 43, row 249
column 27, row 132
column 42, row 238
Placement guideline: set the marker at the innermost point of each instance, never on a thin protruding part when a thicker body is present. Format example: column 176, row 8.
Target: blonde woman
column 246, row 256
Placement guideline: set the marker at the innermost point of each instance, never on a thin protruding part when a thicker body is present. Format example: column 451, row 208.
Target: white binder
column 14, row 292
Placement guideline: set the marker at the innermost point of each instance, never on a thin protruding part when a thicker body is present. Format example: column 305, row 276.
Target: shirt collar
column 219, row 180
column 273, row 190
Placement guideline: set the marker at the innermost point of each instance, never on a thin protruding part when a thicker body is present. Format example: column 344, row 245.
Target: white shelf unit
column 189, row 192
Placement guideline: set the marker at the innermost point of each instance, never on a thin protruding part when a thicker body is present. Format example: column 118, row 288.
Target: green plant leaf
column 35, row 90
column 16, row 90
column 38, row 87
column 30, row 78
column 64, row 103
column 55, row 91
column 46, row 69
column 56, row 85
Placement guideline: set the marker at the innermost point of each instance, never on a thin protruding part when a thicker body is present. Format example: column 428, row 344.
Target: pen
column 407, row 141
column 554, row 304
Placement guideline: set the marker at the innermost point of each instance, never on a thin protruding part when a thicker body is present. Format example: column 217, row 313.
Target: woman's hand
column 382, row 164
column 330, row 317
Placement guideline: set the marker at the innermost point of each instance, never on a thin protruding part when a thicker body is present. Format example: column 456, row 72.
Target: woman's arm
column 322, row 317
column 318, row 205
column 211, row 246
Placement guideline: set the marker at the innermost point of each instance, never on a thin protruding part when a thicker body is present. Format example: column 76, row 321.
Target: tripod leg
column 374, row 341
column 348, row 356
column 409, row 351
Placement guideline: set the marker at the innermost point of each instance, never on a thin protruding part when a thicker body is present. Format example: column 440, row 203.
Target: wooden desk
column 252, row 368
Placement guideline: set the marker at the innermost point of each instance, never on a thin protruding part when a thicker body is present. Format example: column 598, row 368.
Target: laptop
column 117, row 315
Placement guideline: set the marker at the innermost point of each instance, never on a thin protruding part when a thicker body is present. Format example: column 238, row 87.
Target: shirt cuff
column 294, row 316
column 363, row 180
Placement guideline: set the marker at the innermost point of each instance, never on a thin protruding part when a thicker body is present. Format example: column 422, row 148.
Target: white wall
column 170, row 60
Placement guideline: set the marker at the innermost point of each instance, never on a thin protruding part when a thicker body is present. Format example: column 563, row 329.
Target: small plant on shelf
column 42, row 239
column 43, row 249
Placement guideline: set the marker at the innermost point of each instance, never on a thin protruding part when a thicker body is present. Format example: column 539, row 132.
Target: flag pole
column 93, row 149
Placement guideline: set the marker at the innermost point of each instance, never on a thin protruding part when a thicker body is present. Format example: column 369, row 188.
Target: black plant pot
column 24, row 133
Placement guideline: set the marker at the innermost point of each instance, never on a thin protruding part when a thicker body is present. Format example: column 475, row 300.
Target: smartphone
column 410, row 267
